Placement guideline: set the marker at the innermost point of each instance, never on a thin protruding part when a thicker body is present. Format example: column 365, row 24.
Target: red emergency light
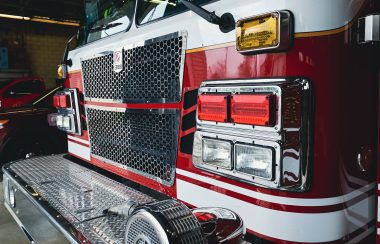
column 61, row 101
column 212, row 108
column 254, row 109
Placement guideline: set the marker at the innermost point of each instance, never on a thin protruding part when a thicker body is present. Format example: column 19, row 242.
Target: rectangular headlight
column 217, row 153
column 66, row 123
column 253, row 160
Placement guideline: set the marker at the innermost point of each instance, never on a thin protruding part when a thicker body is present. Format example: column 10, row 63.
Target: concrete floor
column 10, row 232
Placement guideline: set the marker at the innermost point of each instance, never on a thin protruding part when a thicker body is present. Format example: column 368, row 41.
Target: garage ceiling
column 54, row 9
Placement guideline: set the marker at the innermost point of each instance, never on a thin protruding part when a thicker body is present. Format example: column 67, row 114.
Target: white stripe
column 312, row 202
column 378, row 231
column 78, row 140
column 79, row 150
column 298, row 227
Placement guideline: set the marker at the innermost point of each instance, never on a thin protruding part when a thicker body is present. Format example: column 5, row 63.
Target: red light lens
column 212, row 108
column 204, row 216
column 61, row 101
column 257, row 109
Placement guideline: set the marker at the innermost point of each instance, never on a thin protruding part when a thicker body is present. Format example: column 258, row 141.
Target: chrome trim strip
column 112, row 109
column 369, row 29
column 103, row 100
column 134, row 110
column 46, row 210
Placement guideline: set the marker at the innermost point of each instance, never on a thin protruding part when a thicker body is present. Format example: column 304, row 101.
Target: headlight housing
column 254, row 160
column 267, row 125
column 216, row 153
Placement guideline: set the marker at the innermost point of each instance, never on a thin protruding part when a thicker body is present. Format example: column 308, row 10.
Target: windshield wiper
column 105, row 27
column 226, row 22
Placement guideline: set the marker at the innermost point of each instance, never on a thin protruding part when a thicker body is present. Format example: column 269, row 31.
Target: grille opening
column 151, row 73
column 143, row 141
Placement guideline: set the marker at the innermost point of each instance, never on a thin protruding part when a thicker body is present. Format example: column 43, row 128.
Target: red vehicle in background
column 26, row 131
column 20, row 91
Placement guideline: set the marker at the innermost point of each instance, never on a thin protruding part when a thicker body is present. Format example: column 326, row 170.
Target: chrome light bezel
column 244, row 88
column 73, row 112
column 218, row 141
column 257, row 146
column 288, row 120
column 240, row 176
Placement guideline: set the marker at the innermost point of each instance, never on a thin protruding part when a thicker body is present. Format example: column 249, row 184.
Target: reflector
column 255, row 109
column 212, row 108
column 61, row 101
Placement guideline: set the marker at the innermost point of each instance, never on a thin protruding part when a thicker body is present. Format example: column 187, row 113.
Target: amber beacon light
column 266, row 32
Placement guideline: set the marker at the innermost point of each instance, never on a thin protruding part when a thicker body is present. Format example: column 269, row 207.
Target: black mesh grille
column 151, row 73
column 145, row 141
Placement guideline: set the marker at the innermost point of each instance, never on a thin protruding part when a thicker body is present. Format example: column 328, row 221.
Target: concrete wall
column 37, row 47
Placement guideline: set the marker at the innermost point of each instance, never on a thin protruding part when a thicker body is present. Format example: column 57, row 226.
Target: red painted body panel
column 344, row 80
column 345, row 102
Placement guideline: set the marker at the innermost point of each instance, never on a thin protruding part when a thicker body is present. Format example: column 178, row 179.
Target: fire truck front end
column 211, row 121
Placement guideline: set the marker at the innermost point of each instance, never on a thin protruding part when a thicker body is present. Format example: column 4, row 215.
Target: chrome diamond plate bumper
column 72, row 198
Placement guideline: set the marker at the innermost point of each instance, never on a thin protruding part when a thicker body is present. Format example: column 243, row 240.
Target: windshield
column 104, row 18
column 150, row 10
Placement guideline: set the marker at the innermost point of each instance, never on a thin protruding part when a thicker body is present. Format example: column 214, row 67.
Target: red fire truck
column 212, row 121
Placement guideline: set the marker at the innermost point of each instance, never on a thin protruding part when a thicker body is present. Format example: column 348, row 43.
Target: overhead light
column 50, row 21
column 40, row 19
column 9, row 16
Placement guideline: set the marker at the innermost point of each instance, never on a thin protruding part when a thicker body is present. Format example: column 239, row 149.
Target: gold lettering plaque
column 258, row 32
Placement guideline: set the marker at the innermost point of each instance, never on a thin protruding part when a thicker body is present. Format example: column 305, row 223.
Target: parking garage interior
column 33, row 36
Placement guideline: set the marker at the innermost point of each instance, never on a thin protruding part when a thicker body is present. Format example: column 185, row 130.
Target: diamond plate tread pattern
column 108, row 229
column 79, row 194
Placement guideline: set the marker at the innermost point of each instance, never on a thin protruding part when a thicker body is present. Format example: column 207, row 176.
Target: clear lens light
column 257, row 161
column 217, row 153
column 59, row 121
column 66, row 123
